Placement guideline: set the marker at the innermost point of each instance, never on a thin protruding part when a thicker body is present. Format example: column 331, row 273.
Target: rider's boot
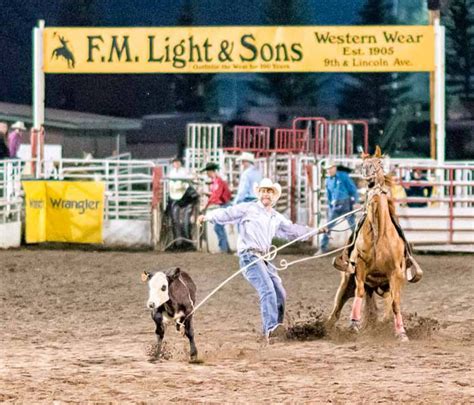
column 341, row 262
column 413, row 269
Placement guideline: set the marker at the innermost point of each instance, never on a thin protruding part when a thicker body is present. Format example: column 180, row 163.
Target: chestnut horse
column 377, row 260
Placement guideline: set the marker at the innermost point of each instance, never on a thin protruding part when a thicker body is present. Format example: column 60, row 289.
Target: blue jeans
column 222, row 238
column 265, row 280
column 341, row 208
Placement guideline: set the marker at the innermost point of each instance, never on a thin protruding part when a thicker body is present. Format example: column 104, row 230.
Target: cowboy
column 341, row 195
column 249, row 177
column 259, row 223
column 218, row 197
column 414, row 273
column 182, row 197
column 14, row 138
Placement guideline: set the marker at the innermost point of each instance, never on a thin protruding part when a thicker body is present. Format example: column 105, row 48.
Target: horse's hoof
column 354, row 326
column 402, row 337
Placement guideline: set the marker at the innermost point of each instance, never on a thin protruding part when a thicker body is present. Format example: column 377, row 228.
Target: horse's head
column 372, row 168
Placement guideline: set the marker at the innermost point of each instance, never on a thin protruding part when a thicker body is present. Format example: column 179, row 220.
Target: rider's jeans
column 265, row 280
column 340, row 208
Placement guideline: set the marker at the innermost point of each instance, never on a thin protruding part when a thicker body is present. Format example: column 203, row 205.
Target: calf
column 172, row 294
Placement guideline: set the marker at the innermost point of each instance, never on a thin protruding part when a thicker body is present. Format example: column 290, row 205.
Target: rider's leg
column 414, row 272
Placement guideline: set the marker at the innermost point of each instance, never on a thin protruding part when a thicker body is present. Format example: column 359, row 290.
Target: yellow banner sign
column 64, row 211
column 239, row 49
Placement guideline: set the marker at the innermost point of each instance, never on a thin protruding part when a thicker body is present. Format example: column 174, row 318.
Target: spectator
column 219, row 197
column 397, row 191
column 250, row 176
column 418, row 190
column 14, row 138
column 4, row 153
column 182, row 197
column 341, row 195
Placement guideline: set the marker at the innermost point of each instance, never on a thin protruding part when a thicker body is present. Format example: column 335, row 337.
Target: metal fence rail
column 447, row 215
column 10, row 189
column 128, row 184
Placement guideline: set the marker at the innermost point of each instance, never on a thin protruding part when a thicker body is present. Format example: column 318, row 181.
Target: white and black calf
column 172, row 294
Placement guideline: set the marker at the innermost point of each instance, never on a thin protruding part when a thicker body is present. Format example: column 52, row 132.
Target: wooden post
column 433, row 15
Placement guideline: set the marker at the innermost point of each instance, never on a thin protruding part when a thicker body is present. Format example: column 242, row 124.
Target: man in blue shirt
column 258, row 224
column 341, row 195
column 250, row 176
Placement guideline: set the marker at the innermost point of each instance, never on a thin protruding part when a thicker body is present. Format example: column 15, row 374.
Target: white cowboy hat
column 246, row 156
column 19, row 125
column 330, row 163
column 267, row 183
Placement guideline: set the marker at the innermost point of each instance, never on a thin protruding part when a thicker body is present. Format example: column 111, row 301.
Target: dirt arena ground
column 74, row 328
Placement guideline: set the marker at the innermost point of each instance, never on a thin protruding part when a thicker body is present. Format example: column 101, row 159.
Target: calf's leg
column 159, row 331
column 189, row 332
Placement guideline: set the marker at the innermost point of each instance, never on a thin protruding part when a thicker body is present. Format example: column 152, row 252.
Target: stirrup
column 413, row 271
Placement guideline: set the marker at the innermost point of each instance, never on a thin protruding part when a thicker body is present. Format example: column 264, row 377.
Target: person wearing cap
column 249, row 177
column 182, row 196
column 14, row 138
column 341, row 194
column 258, row 224
column 218, row 197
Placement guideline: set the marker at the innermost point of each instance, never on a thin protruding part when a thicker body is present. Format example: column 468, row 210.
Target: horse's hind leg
column 344, row 292
column 396, row 283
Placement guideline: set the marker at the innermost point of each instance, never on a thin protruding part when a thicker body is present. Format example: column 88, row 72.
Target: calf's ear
column 146, row 276
column 173, row 273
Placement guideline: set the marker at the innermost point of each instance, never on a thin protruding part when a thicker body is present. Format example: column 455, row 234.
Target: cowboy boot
column 342, row 263
column 413, row 270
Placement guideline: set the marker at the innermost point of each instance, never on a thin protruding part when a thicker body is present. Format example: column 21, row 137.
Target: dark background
column 396, row 104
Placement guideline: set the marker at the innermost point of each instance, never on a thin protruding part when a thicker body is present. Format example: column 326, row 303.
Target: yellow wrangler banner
column 239, row 49
column 64, row 211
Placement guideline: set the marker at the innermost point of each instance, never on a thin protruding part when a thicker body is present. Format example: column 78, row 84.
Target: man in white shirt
column 258, row 224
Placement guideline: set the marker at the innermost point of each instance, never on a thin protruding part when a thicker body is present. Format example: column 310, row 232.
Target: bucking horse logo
column 64, row 51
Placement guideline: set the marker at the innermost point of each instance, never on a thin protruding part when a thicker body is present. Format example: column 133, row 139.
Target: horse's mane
column 388, row 182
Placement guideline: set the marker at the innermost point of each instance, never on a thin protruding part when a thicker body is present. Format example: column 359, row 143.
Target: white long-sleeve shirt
column 257, row 226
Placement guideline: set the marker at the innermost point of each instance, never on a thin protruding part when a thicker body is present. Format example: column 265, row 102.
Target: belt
column 254, row 251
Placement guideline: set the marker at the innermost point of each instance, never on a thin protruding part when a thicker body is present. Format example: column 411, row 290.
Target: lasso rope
column 272, row 254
